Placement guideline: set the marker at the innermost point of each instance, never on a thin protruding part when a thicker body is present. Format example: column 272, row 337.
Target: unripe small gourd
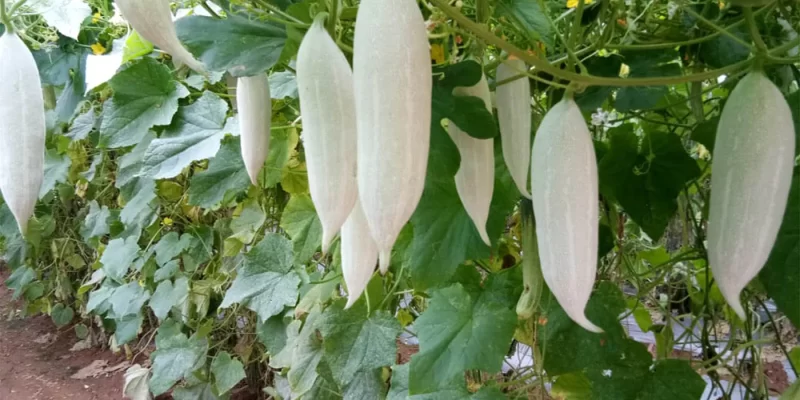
column 22, row 129
column 153, row 20
column 325, row 83
column 751, row 175
column 359, row 254
column 532, row 279
column 255, row 118
column 393, row 83
column 475, row 176
column 514, row 115
column 564, row 185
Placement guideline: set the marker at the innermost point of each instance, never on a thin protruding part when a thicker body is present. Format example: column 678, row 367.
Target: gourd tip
column 484, row 236
column 327, row 238
column 351, row 299
column 385, row 260
column 588, row 325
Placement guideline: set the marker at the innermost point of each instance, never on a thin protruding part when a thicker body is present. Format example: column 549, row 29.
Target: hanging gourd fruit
column 152, row 19
column 359, row 254
column 22, row 129
column 514, row 115
column 325, row 83
column 475, row 176
column 752, row 167
column 564, row 186
column 255, row 114
column 393, row 82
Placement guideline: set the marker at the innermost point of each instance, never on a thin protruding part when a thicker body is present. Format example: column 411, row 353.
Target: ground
column 36, row 362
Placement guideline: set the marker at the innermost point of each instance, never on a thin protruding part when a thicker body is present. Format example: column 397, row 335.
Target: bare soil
column 42, row 371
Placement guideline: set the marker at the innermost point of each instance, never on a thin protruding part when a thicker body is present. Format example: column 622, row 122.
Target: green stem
column 278, row 11
column 575, row 32
column 587, row 80
column 4, row 17
column 751, row 22
column 333, row 17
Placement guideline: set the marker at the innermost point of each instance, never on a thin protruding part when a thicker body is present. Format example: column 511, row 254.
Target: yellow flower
column 437, row 53
column 574, row 3
column 98, row 49
column 96, row 18
column 167, row 221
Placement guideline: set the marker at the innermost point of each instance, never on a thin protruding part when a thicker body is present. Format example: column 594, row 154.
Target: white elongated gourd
column 475, row 176
column 22, row 129
column 325, row 83
column 393, row 82
column 255, row 118
column 153, row 20
column 564, row 185
column 514, row 115
column 752, row 172
column 359, row 254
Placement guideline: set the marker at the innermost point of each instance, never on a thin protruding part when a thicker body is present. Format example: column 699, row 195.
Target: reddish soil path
column 34, row 371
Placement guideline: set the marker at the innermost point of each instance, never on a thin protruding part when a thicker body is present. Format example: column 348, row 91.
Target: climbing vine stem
column 587, row 80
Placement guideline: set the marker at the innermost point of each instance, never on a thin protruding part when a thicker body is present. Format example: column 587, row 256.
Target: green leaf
column 170, row 246
column 242, row 46
column 706, row 132
column 55, row 63
column 118, row 257
column 272, row 333
column 168, row 295
column 83, row 125
column 56, row 169
column 96, row 222
column 594, row 96
column 127, row 328
column 130, row 164
column 280, row 148
column 723, row 50
column 128, row 299
column 453, row 389
column 646, row 183
column 445, row 235
column 141, row 208
column 616, row 366
column 781, row 274
column 226, row 174
column 145, row 95
column 355, row 342
column 19, row 280
column 307, row 352
column 248, row 223
column 194, row 135
column 227, row 372
column 366, row 385
column 176, row 356
column 265, row 283
column 644, row 64
column 573, row 386
column 467, row 112
column 302, row 224
column 529, row 18
column 283, row 85
column 200, row 391
column 283, row 357
column 457, row 322
column 62, row 315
